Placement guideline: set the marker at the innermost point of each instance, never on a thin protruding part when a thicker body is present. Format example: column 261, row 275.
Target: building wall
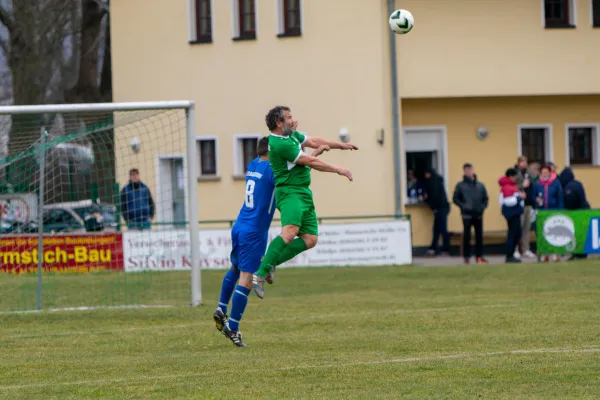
column 492, row 156
column 332, row 78
column 490, row 48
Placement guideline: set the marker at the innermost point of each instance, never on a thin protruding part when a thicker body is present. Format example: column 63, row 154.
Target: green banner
column 568, row 232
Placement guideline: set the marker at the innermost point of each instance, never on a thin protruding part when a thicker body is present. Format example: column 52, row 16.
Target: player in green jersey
column 291, row 167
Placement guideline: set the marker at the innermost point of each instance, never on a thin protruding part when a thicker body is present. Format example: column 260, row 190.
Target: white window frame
column 238, row 156
column 165, row 196
column 442, row 150
column 192, row 22
column 572, row 13
column 199, row 164
column 235, row 18
column 281, row 18
column 595, row 142
column 549, row 150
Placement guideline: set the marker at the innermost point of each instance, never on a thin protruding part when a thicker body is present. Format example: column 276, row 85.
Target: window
column 424, row 148
column 559, row 14
column 207, row 154
column 244, row 19
column 596, row 13
column 535, row 143
column 203, row 21
column 582, row 145
column 290, row 18
column 245, row 152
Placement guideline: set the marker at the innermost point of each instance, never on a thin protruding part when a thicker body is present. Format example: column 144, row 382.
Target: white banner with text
column 359, row 244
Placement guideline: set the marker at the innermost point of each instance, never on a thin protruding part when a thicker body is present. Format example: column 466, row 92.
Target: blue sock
column 240, row 299
column 229, row 282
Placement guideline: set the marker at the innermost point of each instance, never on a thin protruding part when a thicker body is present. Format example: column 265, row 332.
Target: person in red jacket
column 513, row 205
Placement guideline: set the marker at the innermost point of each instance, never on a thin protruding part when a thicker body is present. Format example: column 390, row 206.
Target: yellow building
column 477, row 83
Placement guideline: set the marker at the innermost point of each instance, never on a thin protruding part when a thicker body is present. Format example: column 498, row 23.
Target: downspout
column 395, row 114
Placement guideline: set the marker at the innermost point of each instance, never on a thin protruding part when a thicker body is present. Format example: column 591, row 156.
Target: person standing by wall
column 524, row 184
column 437, row 199
column 547, row 194
column 137, row 204
column 512, row 202
column 471, row 197
column 574, row 197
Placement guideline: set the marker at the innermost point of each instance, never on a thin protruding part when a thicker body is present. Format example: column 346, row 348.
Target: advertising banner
column 62, row 253
column 361, row 244
column 568, row 232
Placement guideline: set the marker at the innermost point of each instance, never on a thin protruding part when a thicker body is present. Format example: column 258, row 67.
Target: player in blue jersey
column 249, row 237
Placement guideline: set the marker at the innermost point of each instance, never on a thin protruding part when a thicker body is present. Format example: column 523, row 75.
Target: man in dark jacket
column 437, row 199
column 137, row 205
column 471, row 197
column 573, row 195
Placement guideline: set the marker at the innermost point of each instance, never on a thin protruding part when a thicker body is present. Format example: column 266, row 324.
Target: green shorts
column 297, row 208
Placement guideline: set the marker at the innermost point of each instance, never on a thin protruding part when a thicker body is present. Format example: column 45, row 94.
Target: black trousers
column 513, row 237
column 440, row 228
column 477, row 223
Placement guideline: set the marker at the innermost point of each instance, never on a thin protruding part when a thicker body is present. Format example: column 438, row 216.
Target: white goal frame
column 191, row 155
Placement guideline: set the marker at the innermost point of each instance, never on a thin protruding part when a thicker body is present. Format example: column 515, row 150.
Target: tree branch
column 6, row 19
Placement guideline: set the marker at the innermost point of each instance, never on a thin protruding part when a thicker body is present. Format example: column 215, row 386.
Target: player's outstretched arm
column 319, row 165
column 315, row 142
column 320, row 150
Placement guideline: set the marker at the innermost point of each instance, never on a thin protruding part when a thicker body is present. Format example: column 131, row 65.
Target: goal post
column 88, row 195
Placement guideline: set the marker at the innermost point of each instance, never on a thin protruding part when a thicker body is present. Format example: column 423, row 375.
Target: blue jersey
column 259, row 201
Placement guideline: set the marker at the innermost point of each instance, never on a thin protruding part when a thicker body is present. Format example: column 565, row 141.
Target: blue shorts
column 248, row 247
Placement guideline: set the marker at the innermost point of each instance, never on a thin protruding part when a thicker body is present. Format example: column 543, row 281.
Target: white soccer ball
column 136, row 145
column 401, row 21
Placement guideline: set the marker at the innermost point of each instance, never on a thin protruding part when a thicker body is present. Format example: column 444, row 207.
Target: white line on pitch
column 54, row 310
column 305, row 367
column 257, row 321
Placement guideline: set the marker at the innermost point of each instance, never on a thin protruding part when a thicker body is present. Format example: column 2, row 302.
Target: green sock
column 270, row 259
column 296, row 247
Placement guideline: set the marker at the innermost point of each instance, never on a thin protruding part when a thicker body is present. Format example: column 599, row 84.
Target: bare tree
column 53, row 51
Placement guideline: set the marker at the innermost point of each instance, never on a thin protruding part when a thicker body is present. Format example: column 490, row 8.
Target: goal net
column 96, row 208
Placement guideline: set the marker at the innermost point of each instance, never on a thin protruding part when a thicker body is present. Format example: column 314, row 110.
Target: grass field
column 522, row 331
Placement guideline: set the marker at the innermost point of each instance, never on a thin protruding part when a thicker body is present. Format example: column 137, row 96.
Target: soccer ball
column 135, row 145
column 401, row 21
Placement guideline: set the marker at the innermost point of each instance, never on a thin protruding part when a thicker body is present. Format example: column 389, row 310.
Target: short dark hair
column 262, row 148
column 546, row 166
column 467, row 165
column 133, row 171
column 511, row 172
column 275, row 114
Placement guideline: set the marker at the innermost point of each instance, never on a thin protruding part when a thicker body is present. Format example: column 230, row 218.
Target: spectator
column 137, row 205
column 525, row 184
column 471, row 197
column 574, row 196
column 513, row 205
column 437, row 199
column 547, row 195
column 411, row 186
column 547, row 192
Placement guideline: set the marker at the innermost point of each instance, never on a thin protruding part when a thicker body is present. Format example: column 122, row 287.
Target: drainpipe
column 395, row 114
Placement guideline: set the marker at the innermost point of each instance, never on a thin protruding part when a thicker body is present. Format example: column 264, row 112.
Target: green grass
column 524, row 331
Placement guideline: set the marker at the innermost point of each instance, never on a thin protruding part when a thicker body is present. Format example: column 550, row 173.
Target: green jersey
column 284, row 151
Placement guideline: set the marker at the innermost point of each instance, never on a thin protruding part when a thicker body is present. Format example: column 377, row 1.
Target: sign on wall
column 568, row 232
column 362, row 244
column 62, row 253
